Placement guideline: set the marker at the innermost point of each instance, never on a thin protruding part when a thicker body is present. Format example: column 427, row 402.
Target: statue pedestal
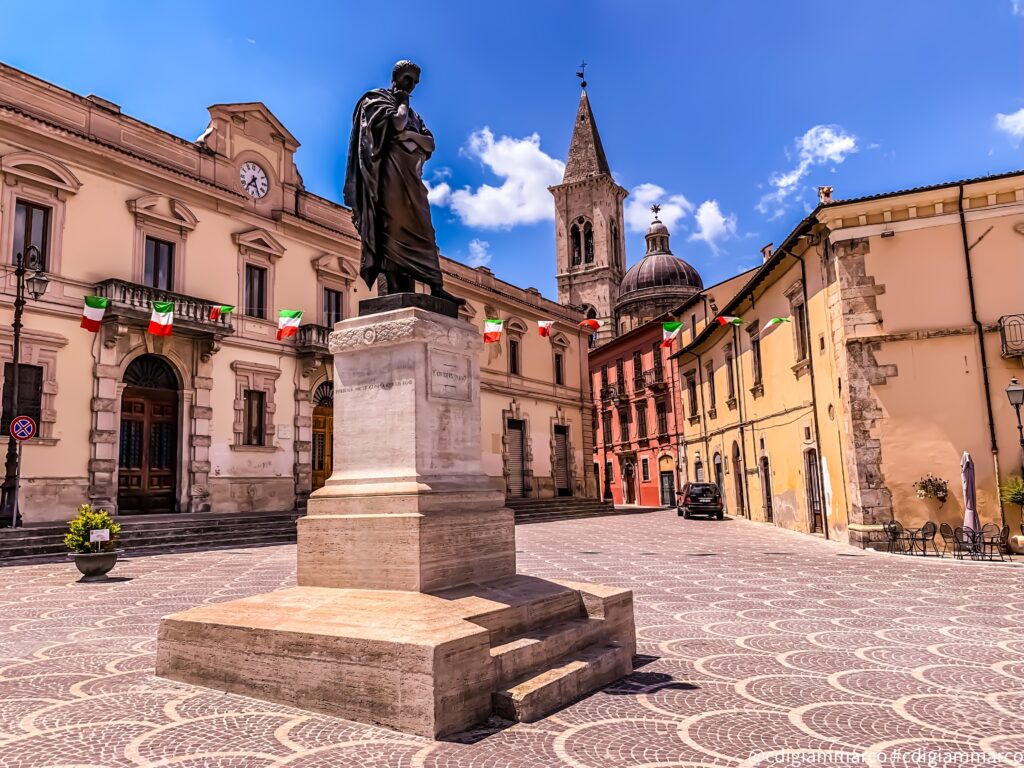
column 408, row 612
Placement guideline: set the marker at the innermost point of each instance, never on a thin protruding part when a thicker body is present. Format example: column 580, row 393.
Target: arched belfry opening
column 147, row 473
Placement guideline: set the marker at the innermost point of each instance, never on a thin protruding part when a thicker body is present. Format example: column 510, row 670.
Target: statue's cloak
column 384, row 188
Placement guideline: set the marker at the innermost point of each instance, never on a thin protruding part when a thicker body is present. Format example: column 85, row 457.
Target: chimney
column 824, row 195
column 766, row 252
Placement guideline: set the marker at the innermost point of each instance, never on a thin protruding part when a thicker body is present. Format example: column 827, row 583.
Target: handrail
column 136, row 296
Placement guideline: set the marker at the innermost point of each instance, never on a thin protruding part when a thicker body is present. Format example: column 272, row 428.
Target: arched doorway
column 719, row 474
column 629, row 484
column 766, row 485
column 737, row 473
column 323, row 433
column 147, row 473
column 667, row 481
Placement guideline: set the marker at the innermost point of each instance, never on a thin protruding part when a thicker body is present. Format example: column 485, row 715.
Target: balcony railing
column 613, row 392
column 654, row 378
column 1011, row 334
column 639, row 383
column 312, row 338
column 136, row 301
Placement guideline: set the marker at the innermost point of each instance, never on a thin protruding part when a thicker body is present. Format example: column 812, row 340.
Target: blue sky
column 728, row 113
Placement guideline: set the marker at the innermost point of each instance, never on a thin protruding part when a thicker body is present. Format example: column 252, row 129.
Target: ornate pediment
column 167, row 211
column 258, row 242
column 334, row 266
column 40, row 170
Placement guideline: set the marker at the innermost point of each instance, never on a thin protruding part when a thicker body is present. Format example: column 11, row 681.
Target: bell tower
column 589, row 237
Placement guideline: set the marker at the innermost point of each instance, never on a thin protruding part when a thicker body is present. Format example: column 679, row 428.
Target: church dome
column 659, row 270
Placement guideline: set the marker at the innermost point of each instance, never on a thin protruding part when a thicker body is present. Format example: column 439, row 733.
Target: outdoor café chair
column 897, row 536
column 946, row 531
column 922, row 537
column 994, row 545
column 963, row 541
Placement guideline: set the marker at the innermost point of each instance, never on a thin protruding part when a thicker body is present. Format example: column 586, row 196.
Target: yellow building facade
column 901, row 329
column 221, row 415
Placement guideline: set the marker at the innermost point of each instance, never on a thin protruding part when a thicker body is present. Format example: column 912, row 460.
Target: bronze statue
column 384, row 188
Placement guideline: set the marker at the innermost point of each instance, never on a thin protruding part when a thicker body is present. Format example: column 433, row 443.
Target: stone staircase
column 551, row 642
column 559, row 508
column 157, row 534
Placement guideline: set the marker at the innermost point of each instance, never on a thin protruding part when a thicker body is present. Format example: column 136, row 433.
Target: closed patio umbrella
column 970, row 496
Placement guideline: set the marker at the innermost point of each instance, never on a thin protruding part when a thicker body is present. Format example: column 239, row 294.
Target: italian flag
column 669, row 331
column 162, row 319
column 92, row 313
column 544, row 327
column 220, row 310
column 288, row 323
column 729, row 320
column 773, row 322
column 492, row 330
column 591, row 325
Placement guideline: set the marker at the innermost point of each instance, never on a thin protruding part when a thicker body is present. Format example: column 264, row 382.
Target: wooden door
column 516, row 463
column 560, row 462
column 668, row 488
column 766, row 483
column 148, row 466
column 323, row 440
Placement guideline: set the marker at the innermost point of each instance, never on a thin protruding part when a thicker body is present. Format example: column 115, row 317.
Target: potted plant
column 1012, row 492
column 94, row 554
column 932, row 487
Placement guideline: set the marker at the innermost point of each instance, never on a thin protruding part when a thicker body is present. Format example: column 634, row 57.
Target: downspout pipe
column 741, row 400
column 981, row 346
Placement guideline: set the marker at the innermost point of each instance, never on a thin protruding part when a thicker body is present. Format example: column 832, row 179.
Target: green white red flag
column 669, row 332
column 492, row 330
column 162, row 319
column 729, row 320
column 288, row 321
column 773, row 322
column 591, row 325
column 544, row 327
column 92, row 313
column 220, row 310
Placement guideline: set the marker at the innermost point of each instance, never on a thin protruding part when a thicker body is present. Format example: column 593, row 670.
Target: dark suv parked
column 701, row 499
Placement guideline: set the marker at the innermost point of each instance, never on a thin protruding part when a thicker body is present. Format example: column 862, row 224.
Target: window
column 254, row 413
column 658, row 370
column 638, row 371
column 800, row 328
column 730, row 374
column 624, row 426
column 31, row 227
column 606, row 424
column 593, row 425
column 575, row 245
column 615, row 241
column 645, row 470
column 710, row 370
column 691, row 393
column 693, row 327
column 620, row 375
column 604, row 375
column 333, row 312
column 559, row 368
column 30, row 394
column 255, row 291
column 755, row 360
column 641, row 419
column 698, row 471
column 513, row 356
column 158, row 268
column 588, row 243
column 661, row 409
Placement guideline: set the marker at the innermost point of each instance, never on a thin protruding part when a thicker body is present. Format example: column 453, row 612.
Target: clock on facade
column 253, row 180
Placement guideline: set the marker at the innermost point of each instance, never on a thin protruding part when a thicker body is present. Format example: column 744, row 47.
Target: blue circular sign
column 23, row 427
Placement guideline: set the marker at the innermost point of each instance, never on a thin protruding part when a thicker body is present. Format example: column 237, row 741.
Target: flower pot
column 95, row 566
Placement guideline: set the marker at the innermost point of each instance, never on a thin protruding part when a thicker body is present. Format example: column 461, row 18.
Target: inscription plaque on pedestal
column 449, row 376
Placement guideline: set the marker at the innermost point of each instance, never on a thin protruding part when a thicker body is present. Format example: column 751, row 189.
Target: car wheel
column 679, row 512
column 720, row 516
column 686, row 514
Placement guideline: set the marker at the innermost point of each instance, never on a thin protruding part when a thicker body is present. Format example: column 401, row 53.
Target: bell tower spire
column 589, row 236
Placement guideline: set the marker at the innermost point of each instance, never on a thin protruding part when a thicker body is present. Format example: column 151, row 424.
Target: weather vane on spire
column 582, row 74
column 655, row 208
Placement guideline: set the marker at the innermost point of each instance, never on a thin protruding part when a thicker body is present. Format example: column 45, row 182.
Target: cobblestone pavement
column 758, row 647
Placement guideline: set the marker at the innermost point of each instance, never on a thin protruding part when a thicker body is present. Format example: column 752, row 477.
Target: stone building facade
column 904, row 316
column 220, row 415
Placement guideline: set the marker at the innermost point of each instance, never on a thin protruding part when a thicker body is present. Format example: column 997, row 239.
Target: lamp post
column 1015, row 394
column 36, row 285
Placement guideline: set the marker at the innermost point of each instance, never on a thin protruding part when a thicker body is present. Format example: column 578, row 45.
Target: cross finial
column 655, row 208
column 582, row 74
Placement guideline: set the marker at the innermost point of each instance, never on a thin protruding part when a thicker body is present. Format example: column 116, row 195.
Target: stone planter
column 95, row 566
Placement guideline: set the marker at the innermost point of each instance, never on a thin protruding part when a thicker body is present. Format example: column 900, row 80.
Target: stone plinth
column 408, row 612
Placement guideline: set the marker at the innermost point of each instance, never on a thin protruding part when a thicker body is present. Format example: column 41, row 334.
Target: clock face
column 253, row 180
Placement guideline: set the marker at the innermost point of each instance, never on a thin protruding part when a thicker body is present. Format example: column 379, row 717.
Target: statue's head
column 405, row 75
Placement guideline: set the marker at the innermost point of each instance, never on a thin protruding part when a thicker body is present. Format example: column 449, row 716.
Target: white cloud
column 479, row 253
column 1013, row 124
column 1018, row 7
column 523, row 196
column 439, row 193
column 712, row 226
column 820, row 144
column 638, row 207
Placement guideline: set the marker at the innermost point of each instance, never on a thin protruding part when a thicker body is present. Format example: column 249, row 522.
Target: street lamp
column 1015, row 394
column 36, row 284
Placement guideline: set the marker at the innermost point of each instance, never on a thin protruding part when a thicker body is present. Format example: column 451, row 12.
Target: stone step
column 565, row 680
column 535, row 649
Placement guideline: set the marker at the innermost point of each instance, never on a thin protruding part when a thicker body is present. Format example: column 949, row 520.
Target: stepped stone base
column 428, row 664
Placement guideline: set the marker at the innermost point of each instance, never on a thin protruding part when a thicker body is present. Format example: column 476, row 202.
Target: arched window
column 324, row 395
column 588, row 243
column 615, row 241
column 575, row 244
